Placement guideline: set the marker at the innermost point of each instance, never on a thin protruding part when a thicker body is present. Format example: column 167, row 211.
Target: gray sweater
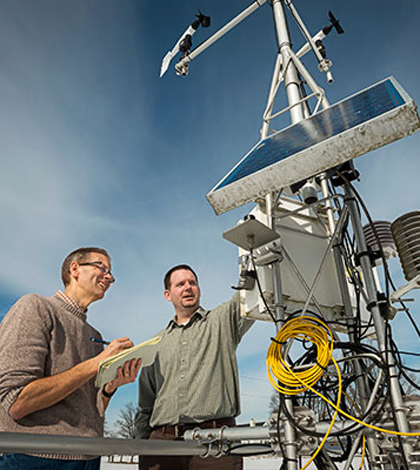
column 41, row 337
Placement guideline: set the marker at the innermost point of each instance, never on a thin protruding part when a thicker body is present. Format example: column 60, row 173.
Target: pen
column 96, row 340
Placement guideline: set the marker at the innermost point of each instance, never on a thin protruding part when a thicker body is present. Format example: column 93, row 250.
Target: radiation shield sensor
column 372, row 118
column 250, row 234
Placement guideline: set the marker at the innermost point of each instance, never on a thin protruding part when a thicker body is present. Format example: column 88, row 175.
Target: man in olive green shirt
column 194, row 379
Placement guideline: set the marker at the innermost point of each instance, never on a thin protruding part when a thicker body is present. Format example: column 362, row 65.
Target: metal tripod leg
column 361, row 382
column 383, row 341
column 345, row 297
column 290, row 444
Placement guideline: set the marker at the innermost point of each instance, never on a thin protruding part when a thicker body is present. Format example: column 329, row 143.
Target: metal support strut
column 383, row 343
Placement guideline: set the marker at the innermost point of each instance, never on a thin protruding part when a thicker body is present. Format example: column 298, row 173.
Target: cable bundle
column 291, row 382
column 288, row 381
column 280, row 374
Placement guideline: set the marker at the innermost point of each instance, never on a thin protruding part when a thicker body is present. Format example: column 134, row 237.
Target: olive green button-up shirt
column 195, row 375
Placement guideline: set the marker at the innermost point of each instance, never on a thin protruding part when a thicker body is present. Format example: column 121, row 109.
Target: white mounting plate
column 250, row 234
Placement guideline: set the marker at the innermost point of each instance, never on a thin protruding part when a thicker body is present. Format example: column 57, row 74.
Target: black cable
column 357, row 284
column 282, row 449
column 409, row 353
column 368, row 415
column 359, row 349
column 387, row 277
column 322, row 463
column 260, row 289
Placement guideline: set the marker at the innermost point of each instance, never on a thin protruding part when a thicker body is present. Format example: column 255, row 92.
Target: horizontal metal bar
column 263, row 433
column 218, row 34
column 230, row 434
column 71, row 445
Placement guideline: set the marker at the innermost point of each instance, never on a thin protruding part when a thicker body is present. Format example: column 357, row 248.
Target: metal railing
column 73, row 445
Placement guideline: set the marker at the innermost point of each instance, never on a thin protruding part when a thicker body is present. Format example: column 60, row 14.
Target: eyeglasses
column 102, row 267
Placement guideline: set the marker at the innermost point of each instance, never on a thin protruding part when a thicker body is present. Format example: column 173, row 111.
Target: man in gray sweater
column 49, row 357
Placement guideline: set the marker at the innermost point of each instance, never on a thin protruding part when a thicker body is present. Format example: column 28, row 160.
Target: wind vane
column 184, row 43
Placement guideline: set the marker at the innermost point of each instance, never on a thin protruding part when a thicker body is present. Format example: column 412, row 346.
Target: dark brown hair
column 167, row 278
column 79, row 255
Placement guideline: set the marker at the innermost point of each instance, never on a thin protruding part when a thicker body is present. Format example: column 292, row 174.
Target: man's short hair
column 79, row 255
column 167, row 278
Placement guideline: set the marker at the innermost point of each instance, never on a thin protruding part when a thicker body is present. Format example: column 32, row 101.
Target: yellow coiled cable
column 307, row 329
column 291, row 383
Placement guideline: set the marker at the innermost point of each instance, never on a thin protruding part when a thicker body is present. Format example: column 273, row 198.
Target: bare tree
column 408, row 387
column 107, row 431
column 125, row 422
column 274, row 404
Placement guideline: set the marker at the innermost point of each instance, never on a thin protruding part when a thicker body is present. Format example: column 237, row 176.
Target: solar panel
column 363, row 122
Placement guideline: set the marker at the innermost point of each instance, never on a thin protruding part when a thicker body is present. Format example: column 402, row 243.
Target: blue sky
column 97, row 150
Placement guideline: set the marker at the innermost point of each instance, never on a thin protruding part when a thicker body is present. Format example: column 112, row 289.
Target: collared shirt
column 71, row 302
column 195, row 376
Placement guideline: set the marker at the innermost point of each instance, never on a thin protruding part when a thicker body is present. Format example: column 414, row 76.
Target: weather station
column 314, row 263
column 309, row 264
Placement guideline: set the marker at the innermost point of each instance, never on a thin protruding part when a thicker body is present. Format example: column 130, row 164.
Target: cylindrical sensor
column 406, row 232
column 378, row 234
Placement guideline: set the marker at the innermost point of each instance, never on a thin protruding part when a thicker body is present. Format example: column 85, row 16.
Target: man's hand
column 115, row 346
column 125, row 374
